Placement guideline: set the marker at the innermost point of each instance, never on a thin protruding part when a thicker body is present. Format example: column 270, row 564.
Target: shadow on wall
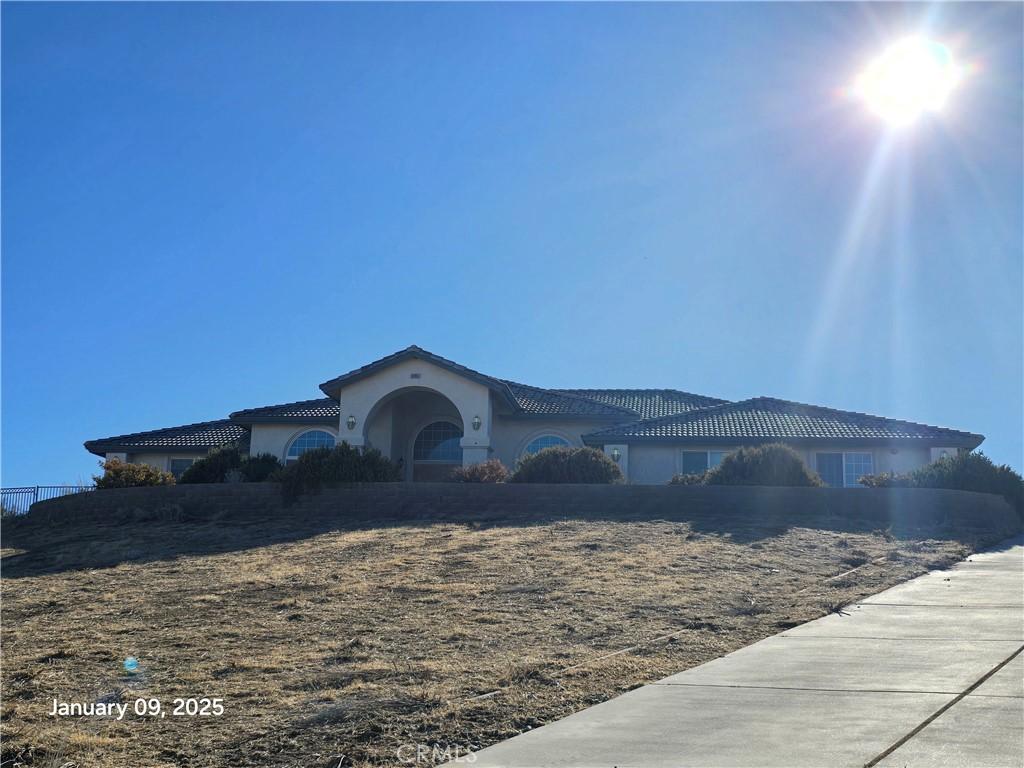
column 137, row 525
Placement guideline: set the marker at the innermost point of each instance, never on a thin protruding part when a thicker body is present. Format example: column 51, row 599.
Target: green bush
column 341, row 464
column 259, row 468
column 567, row 465
column 687, row 479
column 214, row 467
column 490, row 471
column 964, row 472
column 772, row 464
column 121, row 474
column 885, row 480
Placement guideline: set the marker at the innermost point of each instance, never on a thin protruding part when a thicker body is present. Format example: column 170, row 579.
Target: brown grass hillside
column 337, row 647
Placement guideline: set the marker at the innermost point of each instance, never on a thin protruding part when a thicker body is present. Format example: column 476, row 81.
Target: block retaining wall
column 900, row 508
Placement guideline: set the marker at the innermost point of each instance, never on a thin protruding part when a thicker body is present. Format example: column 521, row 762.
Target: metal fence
column 16, row 501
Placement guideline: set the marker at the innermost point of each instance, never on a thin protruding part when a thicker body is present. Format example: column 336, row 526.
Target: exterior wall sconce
column 616, row 454
column 476, row 422
column 350, row 422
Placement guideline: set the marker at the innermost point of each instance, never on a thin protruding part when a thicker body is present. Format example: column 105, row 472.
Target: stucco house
column 432, row 414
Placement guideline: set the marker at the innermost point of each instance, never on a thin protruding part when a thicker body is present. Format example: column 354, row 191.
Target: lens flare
column 912, row 77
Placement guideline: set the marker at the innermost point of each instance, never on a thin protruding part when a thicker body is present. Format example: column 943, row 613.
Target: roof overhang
column 102, row 449
column 968, row 441
column 323, row 420
column 333, row 387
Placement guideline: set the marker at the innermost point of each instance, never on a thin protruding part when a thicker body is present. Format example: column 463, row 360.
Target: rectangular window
column 843, row 470
column 178, row 467
column 695, row 462
column 699, row 462
column 855, row 466
column 830, row 468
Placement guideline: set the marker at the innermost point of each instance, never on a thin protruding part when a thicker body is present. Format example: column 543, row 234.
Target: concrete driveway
column 928, row 673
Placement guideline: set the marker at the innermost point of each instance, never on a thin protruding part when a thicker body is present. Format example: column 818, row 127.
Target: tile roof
column 333, row 387
column 533, row 401
column 550, row 402
column 201, row 437
column 641, row 414
column 320, row 409
column 766, row 418
column 648, row 403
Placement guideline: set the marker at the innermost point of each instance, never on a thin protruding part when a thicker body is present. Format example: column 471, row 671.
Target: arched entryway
column 421, row 430
column 436, row 451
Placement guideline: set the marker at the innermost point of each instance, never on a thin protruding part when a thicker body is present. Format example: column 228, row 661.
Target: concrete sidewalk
column 928, row 673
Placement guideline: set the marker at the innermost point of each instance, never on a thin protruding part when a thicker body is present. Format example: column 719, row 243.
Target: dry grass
column 338, row 647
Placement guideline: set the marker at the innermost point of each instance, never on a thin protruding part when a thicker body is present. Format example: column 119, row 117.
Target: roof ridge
column 568, row 393
column 641, row 389
column 417, row 351
column 283, row 405
column 738, row 405
column 677, row 416
column 865, row 414
column 225, row 422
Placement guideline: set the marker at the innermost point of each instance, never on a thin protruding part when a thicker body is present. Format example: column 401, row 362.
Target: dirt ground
column 352, row 646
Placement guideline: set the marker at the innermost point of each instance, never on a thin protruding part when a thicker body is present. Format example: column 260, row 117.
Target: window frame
column 286, row 459
column 170, row 464
column 564, row 443
column 707, row 459
column 844, row 466
column 428, row 425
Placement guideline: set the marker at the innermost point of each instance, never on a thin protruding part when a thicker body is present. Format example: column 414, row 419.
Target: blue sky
column 211, row 207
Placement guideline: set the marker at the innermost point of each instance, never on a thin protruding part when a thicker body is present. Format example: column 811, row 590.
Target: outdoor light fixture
column 616, row 455
column 476, row 422
column 350, row 422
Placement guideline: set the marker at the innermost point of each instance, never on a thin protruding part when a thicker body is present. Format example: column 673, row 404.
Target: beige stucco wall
column 161, row 460
column 654, row 463
column 362, row 399
column 275, row 438
column 512, row 435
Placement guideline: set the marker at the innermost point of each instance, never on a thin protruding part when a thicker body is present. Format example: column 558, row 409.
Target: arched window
column 438, row 442
column 307, row 441
column 544, row 441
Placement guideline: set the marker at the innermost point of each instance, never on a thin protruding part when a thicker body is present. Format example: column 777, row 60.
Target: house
column 431, row 414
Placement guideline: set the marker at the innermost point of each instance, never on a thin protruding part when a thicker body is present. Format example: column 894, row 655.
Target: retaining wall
column 900, row 508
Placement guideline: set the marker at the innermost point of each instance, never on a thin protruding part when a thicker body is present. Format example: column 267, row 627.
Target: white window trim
column 707, row 456
column 524, row 444
column 844, row 454
column 457, row 422
column 193, row 459
column 307, row 428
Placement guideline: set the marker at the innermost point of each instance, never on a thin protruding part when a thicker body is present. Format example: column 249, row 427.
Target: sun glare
column 912, row 77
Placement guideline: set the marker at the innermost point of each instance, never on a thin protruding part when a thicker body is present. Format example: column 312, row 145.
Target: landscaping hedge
column 964, row 472
column 771, row 464
column 567, row 465
column 121, row 474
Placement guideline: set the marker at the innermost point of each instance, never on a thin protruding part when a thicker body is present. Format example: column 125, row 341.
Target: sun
column 911, row 78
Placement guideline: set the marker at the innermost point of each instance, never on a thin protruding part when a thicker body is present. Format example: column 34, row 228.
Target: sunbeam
column 850, row 253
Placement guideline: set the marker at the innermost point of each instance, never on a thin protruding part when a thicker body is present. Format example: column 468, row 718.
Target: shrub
column 121, row 474
column 214, row 467
column 688, row 479
column 567, row 465
column 772, row 464
column 341, row 464
column 490, row 471
column 964, row 472
column 885, row 480
column 259, row 468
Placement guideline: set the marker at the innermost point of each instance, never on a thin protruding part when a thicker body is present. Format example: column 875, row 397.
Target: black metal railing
column 17, row 501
